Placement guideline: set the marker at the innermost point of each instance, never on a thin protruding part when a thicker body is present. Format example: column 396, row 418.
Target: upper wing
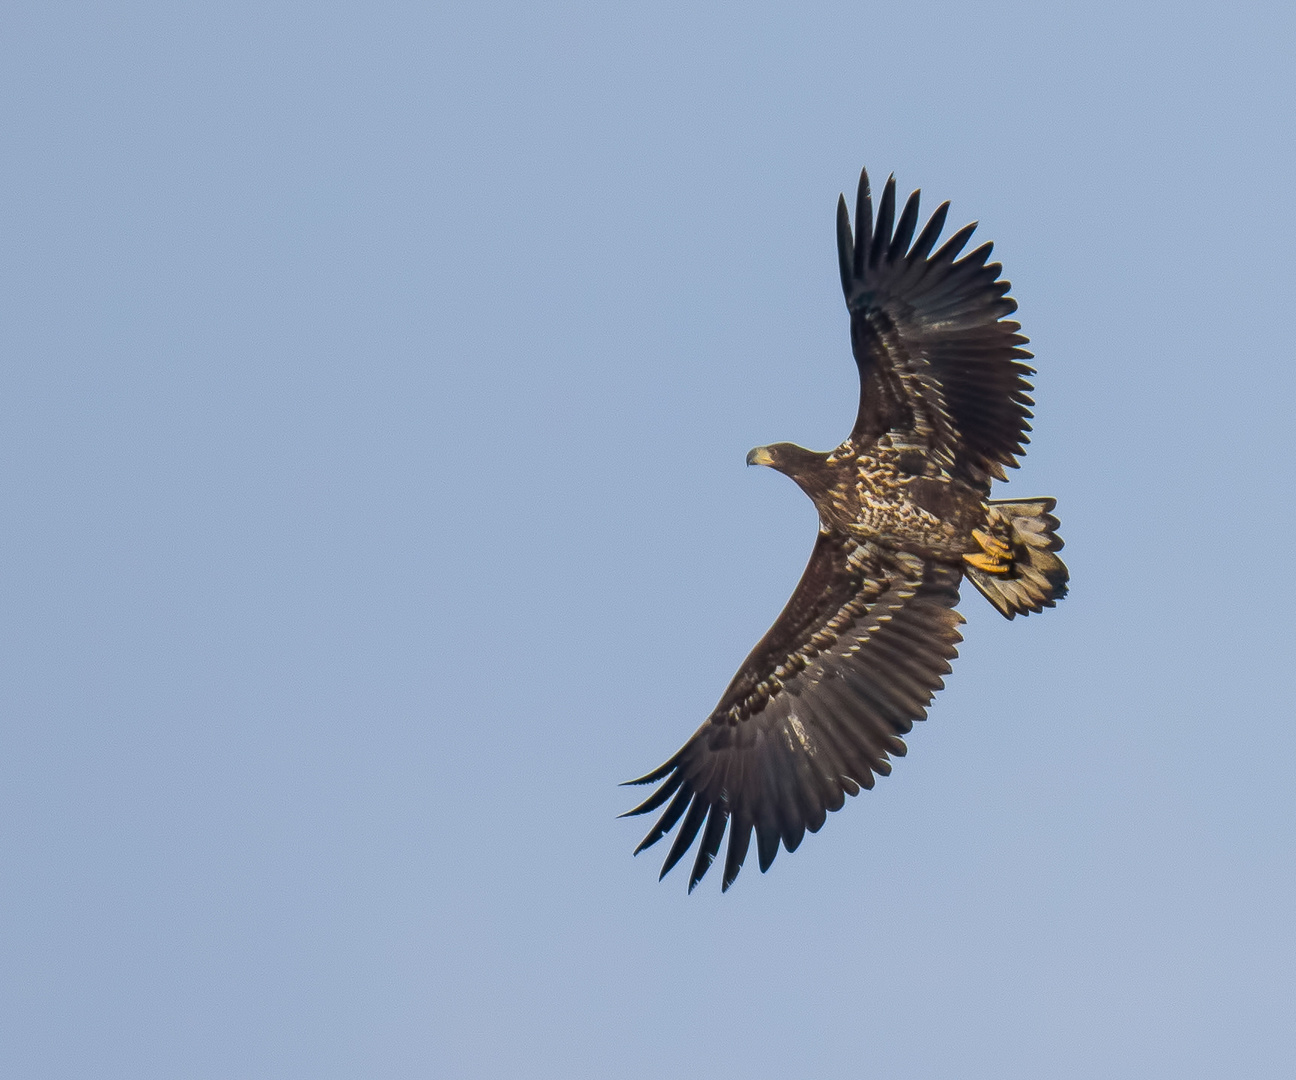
column 936, row 356
column 817, row 707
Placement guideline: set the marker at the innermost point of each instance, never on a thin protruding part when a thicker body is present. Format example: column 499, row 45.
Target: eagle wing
column 816, row 709
column 938, row 360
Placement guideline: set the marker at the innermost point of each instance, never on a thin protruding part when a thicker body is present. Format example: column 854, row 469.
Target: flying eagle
column 854, row 659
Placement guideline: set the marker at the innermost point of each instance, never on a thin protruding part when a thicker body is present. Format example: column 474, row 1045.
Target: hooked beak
column 760, row 456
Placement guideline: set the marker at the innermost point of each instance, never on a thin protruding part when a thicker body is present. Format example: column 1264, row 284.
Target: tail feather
column 1036, row 578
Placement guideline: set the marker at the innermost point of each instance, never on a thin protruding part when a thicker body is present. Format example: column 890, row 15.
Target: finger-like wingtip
column 709, row 846
column 931, row 232
column 697, row 813
column 845, row 245
column 885, row 220
column 659, row 773
column 666, row 822
column 863, row 222
column 740, row 830
column 656, row 798
column 949, row 251
column 904, row 230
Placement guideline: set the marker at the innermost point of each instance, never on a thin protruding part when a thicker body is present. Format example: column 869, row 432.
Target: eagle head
column 809, row 469
column 788, row 458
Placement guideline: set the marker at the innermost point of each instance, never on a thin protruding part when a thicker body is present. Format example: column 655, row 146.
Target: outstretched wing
column 937, row 358
column 816, row 709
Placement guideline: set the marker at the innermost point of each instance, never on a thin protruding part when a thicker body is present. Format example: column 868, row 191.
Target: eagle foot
column 994, row 556
column 992, row 544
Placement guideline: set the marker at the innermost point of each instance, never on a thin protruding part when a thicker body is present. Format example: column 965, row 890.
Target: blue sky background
column 375, row 392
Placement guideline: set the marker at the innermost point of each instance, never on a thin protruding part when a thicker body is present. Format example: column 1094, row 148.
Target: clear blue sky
column 375, row 391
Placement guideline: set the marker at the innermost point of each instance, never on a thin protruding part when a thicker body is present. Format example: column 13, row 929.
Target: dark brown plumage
column 819, row 706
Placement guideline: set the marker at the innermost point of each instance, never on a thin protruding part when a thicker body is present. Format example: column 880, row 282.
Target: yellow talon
column 988, row 563
column 992, row 545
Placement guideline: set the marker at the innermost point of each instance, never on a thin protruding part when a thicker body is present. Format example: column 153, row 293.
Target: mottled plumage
column 819, row 706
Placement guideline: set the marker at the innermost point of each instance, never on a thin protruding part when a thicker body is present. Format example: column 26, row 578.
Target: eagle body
column 893, row 493
column 819, row 707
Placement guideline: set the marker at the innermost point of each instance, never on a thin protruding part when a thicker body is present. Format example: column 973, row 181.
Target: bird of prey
column 820, row 705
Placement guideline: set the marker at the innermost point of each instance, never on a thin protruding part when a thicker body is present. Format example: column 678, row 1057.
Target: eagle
column 822, row 703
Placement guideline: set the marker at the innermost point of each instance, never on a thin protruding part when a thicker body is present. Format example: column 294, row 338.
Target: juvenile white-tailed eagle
column 905, row 515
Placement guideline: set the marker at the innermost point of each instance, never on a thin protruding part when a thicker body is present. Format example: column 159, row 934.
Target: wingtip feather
column 845, row 246
column 863, row 222
column 885, row 219
column 658, row 773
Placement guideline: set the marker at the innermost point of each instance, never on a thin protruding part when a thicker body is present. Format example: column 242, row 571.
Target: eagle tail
column 1033, row 577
